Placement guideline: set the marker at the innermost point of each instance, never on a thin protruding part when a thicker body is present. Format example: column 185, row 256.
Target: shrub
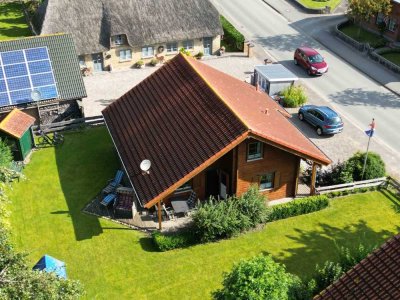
column 293, row 96
column 139, row 63
column 326, row 275
column 154, row 62
column 199, row 55
column 375, row 167
column 252, row 205
column 298, row 207
column 5, row 154
column 298, row 290
column 232, row 36
column 349, row 258
column 219, row 219
column 166, row 242
column 256, row 278
column 184, row 51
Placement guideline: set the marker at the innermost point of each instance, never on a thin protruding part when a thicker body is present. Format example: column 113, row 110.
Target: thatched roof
column 145, row 22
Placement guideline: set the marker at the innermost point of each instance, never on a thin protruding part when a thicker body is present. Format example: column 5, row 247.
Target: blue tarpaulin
column 51, row 264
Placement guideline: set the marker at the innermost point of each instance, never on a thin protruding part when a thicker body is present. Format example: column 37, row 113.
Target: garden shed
column 273, row 78
column 15, row 128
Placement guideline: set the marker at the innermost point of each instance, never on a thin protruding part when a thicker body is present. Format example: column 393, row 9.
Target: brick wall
column 284, row 164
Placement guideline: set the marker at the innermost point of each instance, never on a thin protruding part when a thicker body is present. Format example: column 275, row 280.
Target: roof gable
column 16, row 123
column 145, row 22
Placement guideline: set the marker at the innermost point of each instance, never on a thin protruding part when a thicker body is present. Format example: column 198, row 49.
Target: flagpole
column 371, row 132
column 365, row 159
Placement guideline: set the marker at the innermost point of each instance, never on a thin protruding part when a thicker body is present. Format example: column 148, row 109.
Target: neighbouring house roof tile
column 375, row 277
column 63, row 59
column 186, row 114
column 145, row 22
column 16, row 123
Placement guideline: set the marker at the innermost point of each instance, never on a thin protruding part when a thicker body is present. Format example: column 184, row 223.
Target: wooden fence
column 71, row 124
column 382, row 181
column 394, row 184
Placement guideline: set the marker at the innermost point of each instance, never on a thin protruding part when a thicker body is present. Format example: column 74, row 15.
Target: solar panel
column 23, row 71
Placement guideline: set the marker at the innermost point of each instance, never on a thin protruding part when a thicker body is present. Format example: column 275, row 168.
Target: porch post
column 159, row 215
column 313, row 178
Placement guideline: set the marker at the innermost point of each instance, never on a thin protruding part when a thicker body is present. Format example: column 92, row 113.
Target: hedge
column 165, row 242
column 298, row 207
column 232, row 36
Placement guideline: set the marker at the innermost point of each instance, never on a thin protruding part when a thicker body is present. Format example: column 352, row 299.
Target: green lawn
column 320, row 4
column 394, row 57
column 363, row 36
column 114, row 262
column 12, row 22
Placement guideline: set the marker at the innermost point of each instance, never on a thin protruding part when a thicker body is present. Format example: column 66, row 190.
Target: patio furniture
column 191, row 201
column 180, row 206
column 108, row 199
column 114, row 183
column 167, row 211
column 123, row 204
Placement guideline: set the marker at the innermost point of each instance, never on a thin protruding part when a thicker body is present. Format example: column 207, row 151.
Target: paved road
column 356, row 96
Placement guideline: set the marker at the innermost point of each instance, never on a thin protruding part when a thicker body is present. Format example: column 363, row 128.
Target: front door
column 223, row 184
column 97, row 62
column 212, row 181
column 207, row 44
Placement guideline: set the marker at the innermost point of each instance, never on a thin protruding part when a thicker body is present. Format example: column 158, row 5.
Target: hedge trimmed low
column 298, row 207
column 166, row 242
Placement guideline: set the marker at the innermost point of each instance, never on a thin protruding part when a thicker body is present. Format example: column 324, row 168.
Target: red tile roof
column 16, row 123
column 375, row 277
column 185, row 116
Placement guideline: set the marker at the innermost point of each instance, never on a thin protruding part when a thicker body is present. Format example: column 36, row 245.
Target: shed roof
column 145, row 22
column 375, row 277
column 185, row 116
column 16, row 123
column 276, row 72
column 63, row 59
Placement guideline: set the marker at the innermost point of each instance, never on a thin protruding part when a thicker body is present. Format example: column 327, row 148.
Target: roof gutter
column 120, row 158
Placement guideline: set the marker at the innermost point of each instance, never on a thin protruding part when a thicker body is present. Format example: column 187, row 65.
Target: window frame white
column 186, row 43
column 268, row 185
column 147, row 52
column 172, row 47
column 123, row 58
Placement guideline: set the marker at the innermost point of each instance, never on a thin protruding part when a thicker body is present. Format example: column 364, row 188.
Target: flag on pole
column 370, row 132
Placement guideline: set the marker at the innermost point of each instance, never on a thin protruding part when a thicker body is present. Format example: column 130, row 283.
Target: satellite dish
column 145, row 166
column 35, row 95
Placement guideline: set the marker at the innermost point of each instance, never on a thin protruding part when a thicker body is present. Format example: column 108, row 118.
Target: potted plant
column 139, row 64
column 154, row 62
column 199, row 55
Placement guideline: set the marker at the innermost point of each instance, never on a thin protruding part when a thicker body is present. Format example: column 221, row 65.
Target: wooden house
column 207, row 132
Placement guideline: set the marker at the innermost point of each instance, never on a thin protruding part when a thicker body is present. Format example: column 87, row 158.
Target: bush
column 256, row 278
column 184, row 51
column 298, row 207
column 293, row 96
column 5, row 154
column 325, row 276
column 219, row 219
column 252, row 204
column 374, row 168
column 199, row 55
column 172, row 241
column 139, row 63
column 232, row 37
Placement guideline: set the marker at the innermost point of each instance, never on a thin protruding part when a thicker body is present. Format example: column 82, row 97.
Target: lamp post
column 36, row 96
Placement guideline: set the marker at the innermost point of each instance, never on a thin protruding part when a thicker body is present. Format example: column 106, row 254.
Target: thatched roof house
column 144, row 22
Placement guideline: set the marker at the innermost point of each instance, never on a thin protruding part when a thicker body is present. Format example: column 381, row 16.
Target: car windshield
column 317, row 58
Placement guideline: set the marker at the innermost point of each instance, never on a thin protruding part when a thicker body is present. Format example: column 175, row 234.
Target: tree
column 362, row 10
column 374, row 168
column 256, row 278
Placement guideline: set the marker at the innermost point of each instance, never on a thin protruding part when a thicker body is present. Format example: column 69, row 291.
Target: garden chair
column 191, row 201
column 167, row 211
column 108, row 199
column 113, row 183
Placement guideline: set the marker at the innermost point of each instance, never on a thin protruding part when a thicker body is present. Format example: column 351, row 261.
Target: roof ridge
column 215, row 91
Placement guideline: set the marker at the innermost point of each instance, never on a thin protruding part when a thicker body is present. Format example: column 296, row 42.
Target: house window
column 392, row 25
column 82, row 62
column 267, row 181
column 254, row 151
column 188, row 45
column 172, row 47
column 147, row 52
column 125, row 55
column 380, row 18
column 118, row 40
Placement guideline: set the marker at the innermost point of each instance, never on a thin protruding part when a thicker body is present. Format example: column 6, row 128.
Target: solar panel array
column 23, row 71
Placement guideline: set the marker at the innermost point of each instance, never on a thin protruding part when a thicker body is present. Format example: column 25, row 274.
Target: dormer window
column 119, row 39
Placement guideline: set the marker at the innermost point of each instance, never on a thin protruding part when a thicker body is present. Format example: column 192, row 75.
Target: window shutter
column 277, row 179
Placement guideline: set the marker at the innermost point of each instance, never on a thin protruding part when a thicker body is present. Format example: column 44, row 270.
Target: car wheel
column 296, row 62
column 301, row 116
column 309, row 72
column 319, row 131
